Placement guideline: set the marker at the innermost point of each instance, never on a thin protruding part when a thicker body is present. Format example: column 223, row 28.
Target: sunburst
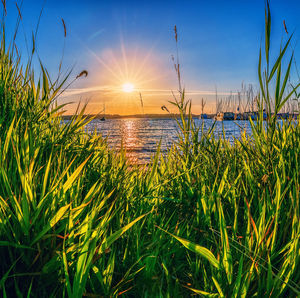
column 128, row 87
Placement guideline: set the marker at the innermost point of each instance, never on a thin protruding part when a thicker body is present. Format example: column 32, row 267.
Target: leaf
column 116, row 235
column 287, row 74
column 227, row 258
column 202, row 251
column 237, row 284
column 74, row 175
column 218, row 287
column 267, row 30
column 7, row 141
column 202, row 293
column 55, row 219
column 278, row 61
column 7, row 243
column 67, row 284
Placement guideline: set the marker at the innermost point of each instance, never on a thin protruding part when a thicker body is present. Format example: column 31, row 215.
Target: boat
column 224, row 116
column 103, row 118
column 228, row 116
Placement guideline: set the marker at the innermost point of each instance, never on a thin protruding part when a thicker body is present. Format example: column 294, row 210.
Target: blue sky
column 121, row 41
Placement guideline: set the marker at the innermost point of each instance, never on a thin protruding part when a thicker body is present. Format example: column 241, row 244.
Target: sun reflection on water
column 129, row 134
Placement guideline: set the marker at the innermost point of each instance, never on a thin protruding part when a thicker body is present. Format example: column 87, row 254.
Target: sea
column 140, row 137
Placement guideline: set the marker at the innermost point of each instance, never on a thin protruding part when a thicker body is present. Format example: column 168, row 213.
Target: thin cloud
column 97, row 33
column 78, row 91
column 149, row 92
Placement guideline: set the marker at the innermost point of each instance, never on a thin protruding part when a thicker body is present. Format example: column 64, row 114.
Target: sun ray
column 124, row 58
column 144, row 61
column 103, row 63
column 117, row 65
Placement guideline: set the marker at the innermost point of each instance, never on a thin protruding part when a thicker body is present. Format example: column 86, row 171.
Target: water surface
column 141, row 136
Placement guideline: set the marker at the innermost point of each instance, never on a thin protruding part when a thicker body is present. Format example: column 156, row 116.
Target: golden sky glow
column 117, row 77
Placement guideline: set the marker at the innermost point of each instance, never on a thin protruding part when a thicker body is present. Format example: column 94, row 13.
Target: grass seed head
column 65, row 28
column 83, row 73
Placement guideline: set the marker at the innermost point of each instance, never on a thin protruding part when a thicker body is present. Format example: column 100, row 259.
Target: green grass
column 210, row 218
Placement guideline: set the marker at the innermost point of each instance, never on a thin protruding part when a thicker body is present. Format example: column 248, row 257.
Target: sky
column 119, row 42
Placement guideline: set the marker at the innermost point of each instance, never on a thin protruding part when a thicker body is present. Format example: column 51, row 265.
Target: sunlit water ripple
column 141, row 136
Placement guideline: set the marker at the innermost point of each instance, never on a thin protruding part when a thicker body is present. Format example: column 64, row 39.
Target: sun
column 128, row 87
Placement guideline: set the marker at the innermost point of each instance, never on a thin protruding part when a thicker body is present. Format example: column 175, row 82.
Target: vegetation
column 210, row 218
